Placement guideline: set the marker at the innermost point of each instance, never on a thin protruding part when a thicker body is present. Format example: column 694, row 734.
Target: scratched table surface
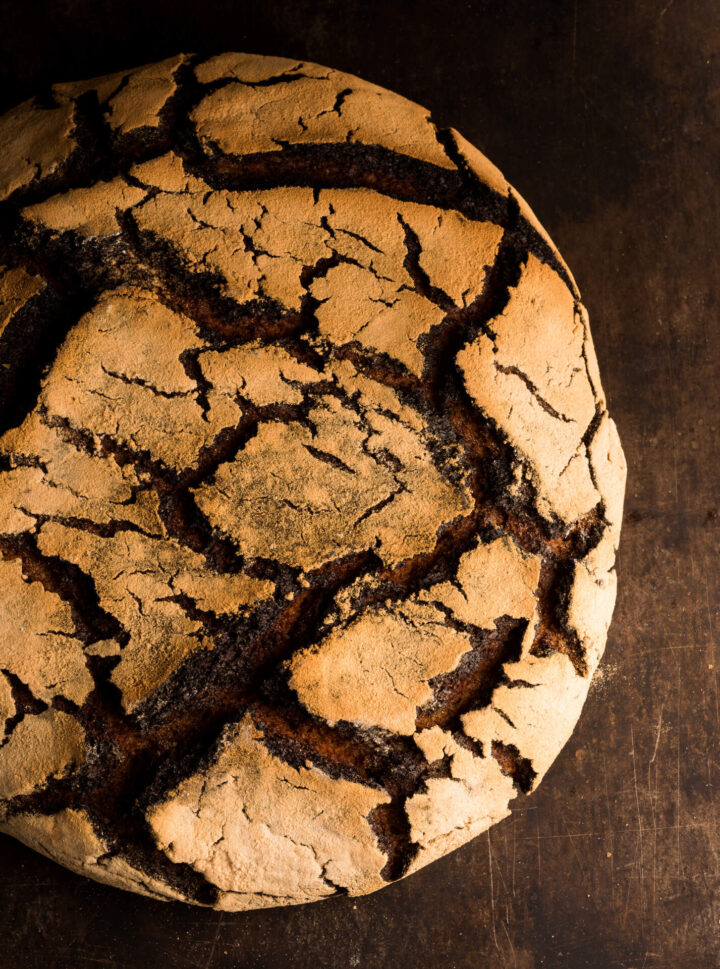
column 605, row 115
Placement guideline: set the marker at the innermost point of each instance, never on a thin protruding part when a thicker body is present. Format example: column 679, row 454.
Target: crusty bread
column 309, row 497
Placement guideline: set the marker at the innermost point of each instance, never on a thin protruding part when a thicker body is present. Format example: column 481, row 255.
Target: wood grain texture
column 605, row 117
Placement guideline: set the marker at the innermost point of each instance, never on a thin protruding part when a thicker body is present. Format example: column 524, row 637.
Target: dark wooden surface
column 605, row 115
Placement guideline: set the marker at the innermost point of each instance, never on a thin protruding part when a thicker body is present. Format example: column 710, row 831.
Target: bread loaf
column 309, row 496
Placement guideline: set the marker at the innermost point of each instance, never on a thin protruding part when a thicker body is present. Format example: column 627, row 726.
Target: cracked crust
column 309, row 497
column 34, row 143
column 267, row 833
column 307, row 105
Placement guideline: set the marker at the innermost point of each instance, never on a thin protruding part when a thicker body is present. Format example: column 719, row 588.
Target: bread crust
column 309, row 496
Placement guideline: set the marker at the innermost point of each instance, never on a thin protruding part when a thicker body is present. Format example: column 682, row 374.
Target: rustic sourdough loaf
column 309, row 497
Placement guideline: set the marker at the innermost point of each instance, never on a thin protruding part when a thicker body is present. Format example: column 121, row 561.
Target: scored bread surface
column 309, row 497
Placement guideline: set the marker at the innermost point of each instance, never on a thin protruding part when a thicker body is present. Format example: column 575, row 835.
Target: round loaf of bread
column 309, row 497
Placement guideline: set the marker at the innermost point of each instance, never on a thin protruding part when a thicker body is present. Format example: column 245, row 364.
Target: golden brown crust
column 266, row 833
column 7, row 704
column 131, row 99
column 313, row 105
column 40, row 748
column 376, row 671
column 88, row 210
column 452, row 810
column 528, row 375
column 34, row 143
column 330, row 493
column 119, row 374
column 68, row 837
column 139, row 103
column 16, row 287
column 493, row 579
column 37, row 641
column 310, row 501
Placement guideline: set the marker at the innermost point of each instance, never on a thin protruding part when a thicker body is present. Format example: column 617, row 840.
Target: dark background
column 604, row 113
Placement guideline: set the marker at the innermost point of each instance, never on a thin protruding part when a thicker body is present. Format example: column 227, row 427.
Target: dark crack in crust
column 221, row 281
